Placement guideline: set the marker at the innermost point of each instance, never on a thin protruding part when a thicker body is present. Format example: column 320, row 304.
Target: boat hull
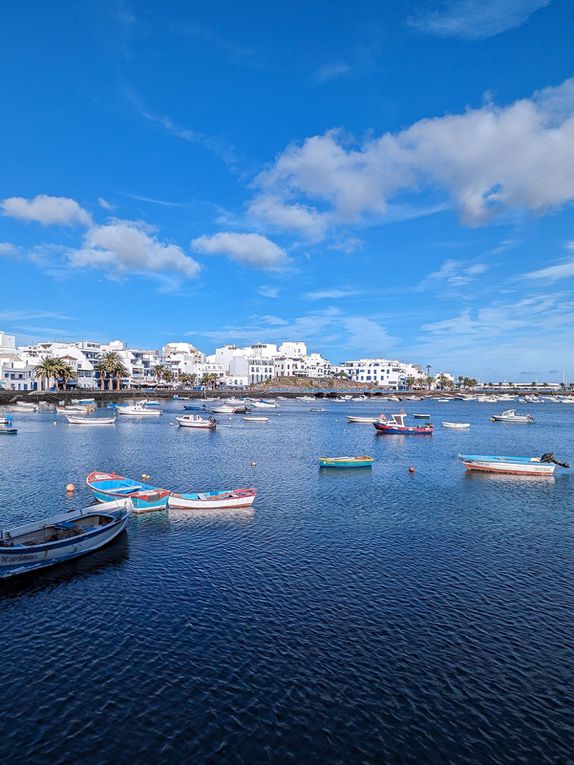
column 403, row 430
column 21, row 559
column 128, row 411
column 91, row 421
column 213, row 500
column 346, row 462
column 508, row 465
column 199, row 424
column 145, row 498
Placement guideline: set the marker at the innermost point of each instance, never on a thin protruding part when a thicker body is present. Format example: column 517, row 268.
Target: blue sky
column 379, row 179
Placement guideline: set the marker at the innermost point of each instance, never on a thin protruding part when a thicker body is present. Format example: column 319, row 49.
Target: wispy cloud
column 325, row 328
column 152, row 200
column 269, row 291
column 556, row 273
column 331, row 294
column 455, row 274
column 218, row 146
column 32, row 315
column 329, row 72
column 475, row 19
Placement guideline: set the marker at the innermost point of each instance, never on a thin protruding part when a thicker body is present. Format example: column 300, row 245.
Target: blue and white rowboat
column 61, row 537
column 510, row 465
column 145, row 498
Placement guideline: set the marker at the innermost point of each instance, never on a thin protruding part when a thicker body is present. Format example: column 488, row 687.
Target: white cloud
column 330, row 72
column 105, row 204
column 454, row 273
column 124, row 246
column 249, row 249
column 323, row 328
column 46, row 210
column 268, row 291
column 555, row 273
column 330, row 294
column 7, row 248
column 305, row 220
column 476, row 19
column 487, row 161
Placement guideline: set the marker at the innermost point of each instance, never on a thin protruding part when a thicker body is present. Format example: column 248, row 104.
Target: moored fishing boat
column 60, row 538
column 8, row 430
column 542, row 466
column 456, row 425
column 346, row 462
column 145, row 498
column 362, row 420
column 195, row 421
column 213, row 500
column 26, row 406
column 227, row 409
column 83, row 401
column 264, row 405
column 137, row 410
column 254, row 418
column 96, row 421
column 510, row 416
column 77, row 409
column 421, row 416
column 396, row 426
column 305, row 398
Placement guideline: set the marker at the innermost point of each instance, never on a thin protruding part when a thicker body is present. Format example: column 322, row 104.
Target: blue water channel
column 366, row 616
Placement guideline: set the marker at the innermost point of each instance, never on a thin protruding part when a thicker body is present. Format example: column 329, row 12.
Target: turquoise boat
column 346, row 462
column 145, row 498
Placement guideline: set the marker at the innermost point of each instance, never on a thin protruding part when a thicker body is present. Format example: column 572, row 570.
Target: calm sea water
column 352, row 617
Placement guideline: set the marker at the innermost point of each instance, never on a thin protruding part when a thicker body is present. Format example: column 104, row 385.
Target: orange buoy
column 411, row 469
column 70, row 488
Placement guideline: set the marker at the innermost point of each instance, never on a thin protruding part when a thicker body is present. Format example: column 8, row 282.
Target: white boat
column 227, row 409
column 305, row 398
column 195, row 421
column 362, row 420
column 421, row 416
column 456, row 425
column 234, row 402
column 137, row 410
column 61, row 537
column 84, row 401
column 90, row 420
column 443, row 400
column 510, row 416
column 541, row 466
column 213, row 500
column 26, row 406
column 256, row 419
column 264, row 405
column 74, row 409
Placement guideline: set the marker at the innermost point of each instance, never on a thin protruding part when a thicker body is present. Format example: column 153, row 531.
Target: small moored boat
column 264, row 405
column 60, row 538
column 456, row 425
column 253, row 418
column 74, row 420
column 145, row 498
column 396, row 426
column 541, row 466
column 213, row 500
column 346, row 462
column 195, row 421
column 421, row 416
column 362, row 420
column 510, row 416
column 228, row 409
column 137, row 410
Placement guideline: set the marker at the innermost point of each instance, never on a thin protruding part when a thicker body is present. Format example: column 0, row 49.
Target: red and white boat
column 396, row 426
column 213, row 500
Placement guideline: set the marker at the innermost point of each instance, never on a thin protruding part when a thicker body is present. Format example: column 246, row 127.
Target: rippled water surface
column 370, row 616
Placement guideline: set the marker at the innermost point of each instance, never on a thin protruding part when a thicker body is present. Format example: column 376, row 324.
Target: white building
column 382, row 372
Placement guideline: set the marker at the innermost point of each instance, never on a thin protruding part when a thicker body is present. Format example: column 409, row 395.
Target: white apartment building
column 382, row 372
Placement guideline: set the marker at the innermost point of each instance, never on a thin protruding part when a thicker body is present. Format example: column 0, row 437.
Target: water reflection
column 111, row 556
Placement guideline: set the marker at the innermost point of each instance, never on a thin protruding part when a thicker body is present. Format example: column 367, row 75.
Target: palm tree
column 101, row 369
column 118, row 371
column 159, row 372
column 410, row 381
column 65, row 372
column 45, row 370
